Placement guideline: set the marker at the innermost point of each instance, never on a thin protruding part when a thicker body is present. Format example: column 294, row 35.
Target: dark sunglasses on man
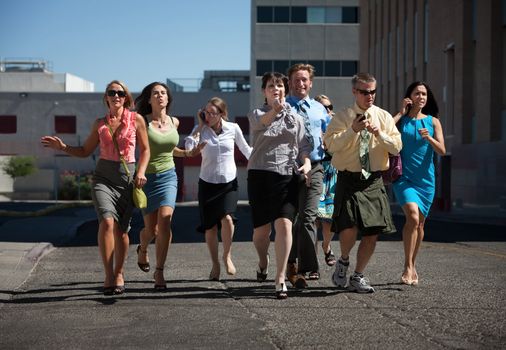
column 329, row 107
column 112, row 93
column 366, row 92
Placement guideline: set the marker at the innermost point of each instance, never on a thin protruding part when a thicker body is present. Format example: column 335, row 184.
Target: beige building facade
column 458, row 48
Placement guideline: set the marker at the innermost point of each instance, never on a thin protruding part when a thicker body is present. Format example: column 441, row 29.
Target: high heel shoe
column 159, row 287
column 214, row 275
column 231, row 270
column 143, row 266
column 119, row 289
column 262, row 273
column 281, row 291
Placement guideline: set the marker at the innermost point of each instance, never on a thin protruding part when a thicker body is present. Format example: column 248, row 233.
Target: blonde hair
column 221, row 105
column 129, row 101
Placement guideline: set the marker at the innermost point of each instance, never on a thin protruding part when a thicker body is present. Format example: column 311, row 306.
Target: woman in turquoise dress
column 422, row 135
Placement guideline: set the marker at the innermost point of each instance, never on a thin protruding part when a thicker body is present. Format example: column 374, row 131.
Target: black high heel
column 143, row 266
column 281, row 291
column 159, row 287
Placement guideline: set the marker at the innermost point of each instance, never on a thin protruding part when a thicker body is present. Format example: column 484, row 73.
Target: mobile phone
column 361, row 117
column 202, row 115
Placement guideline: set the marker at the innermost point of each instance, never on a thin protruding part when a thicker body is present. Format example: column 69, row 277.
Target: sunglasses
column 329, row 107
column 366, row 92
column 112, row 93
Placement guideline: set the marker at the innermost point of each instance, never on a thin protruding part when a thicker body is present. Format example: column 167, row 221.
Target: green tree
column 18, row 166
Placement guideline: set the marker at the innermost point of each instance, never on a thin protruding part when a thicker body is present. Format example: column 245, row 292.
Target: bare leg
column 212, row 246
column 121, row 244
column 327, row 236
column 163, row 240
column 261, row 240
column 282, row 244
column 146, row 236
column 347, row 239
column 409, row 238
column 106, row 248
column 227, row 235
column 365, row 251
column 419, row 239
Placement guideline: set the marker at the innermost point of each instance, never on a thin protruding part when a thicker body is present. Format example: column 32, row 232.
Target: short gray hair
column 362, row 78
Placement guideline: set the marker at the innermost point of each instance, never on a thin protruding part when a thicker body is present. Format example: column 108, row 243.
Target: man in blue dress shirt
column 303, row 259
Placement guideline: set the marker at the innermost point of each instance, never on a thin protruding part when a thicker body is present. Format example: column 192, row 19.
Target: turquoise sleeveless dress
column 417, row 183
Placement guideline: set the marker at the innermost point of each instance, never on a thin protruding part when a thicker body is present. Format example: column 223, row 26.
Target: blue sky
column 135, row 41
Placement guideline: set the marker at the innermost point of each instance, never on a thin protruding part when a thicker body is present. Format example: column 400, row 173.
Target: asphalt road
column 460, row 302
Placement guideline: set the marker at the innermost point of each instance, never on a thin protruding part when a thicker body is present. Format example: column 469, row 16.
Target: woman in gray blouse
column 274, row 169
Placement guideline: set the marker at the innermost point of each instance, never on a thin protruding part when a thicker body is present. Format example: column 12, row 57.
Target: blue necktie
column 302, row 112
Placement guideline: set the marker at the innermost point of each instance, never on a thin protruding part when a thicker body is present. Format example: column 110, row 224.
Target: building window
column 264, row 14
column 281, row 14
column 315, row 15
column 333, row 14
column 65, row 124
column 349, row 68
column 332, row 68
column 263, row 66
column 299, row 14
column 322, row 68
column 303, row 14
column 185, row 125
column 318, row 68
column 350, row 14
column 243, row 123
column 281, row 66
column 8, row 124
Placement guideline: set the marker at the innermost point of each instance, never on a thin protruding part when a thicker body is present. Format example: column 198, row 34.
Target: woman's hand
column 195, row 151
column 53, row 142
column 278, row 105
column 405, row 106
column 140, row 180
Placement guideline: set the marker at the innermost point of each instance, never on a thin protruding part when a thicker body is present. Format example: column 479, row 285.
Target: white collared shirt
column 218, row 164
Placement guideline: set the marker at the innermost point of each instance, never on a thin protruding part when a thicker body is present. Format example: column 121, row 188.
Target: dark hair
column 276, row 77
column 142, row 105
column 430, row 107
column 128, row 98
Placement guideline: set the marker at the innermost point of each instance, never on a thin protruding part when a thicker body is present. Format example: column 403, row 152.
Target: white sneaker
column 339, row 275
column 360, row 285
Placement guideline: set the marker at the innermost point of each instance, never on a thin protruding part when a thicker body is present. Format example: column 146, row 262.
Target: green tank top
column 161, row 146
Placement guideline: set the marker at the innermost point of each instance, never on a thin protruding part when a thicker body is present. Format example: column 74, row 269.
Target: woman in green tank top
column 161, row 187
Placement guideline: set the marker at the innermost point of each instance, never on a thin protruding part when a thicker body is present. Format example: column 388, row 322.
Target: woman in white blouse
column 218, row 192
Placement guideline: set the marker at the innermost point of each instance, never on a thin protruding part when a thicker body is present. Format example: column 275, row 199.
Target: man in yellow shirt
column 359, row 138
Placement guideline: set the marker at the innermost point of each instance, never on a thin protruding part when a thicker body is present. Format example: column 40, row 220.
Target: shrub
column 19, row 166
column 69, row 189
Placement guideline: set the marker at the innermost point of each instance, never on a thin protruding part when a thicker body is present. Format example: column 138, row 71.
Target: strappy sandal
column 143, row 266
column 330, row 258
column 159, row 287
column 313, row 275
column 281, row 291
column 119, row 289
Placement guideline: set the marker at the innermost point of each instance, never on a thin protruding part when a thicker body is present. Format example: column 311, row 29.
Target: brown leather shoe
column 291, row 273
column 300, row 283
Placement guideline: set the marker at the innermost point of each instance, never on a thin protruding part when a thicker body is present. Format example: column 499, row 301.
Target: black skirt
column 272, row 196
column 215, row 202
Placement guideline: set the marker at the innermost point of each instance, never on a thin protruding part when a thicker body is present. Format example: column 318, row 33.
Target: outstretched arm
column 85, row 150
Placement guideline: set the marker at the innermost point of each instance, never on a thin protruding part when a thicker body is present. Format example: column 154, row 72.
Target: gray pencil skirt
column 112, row 192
